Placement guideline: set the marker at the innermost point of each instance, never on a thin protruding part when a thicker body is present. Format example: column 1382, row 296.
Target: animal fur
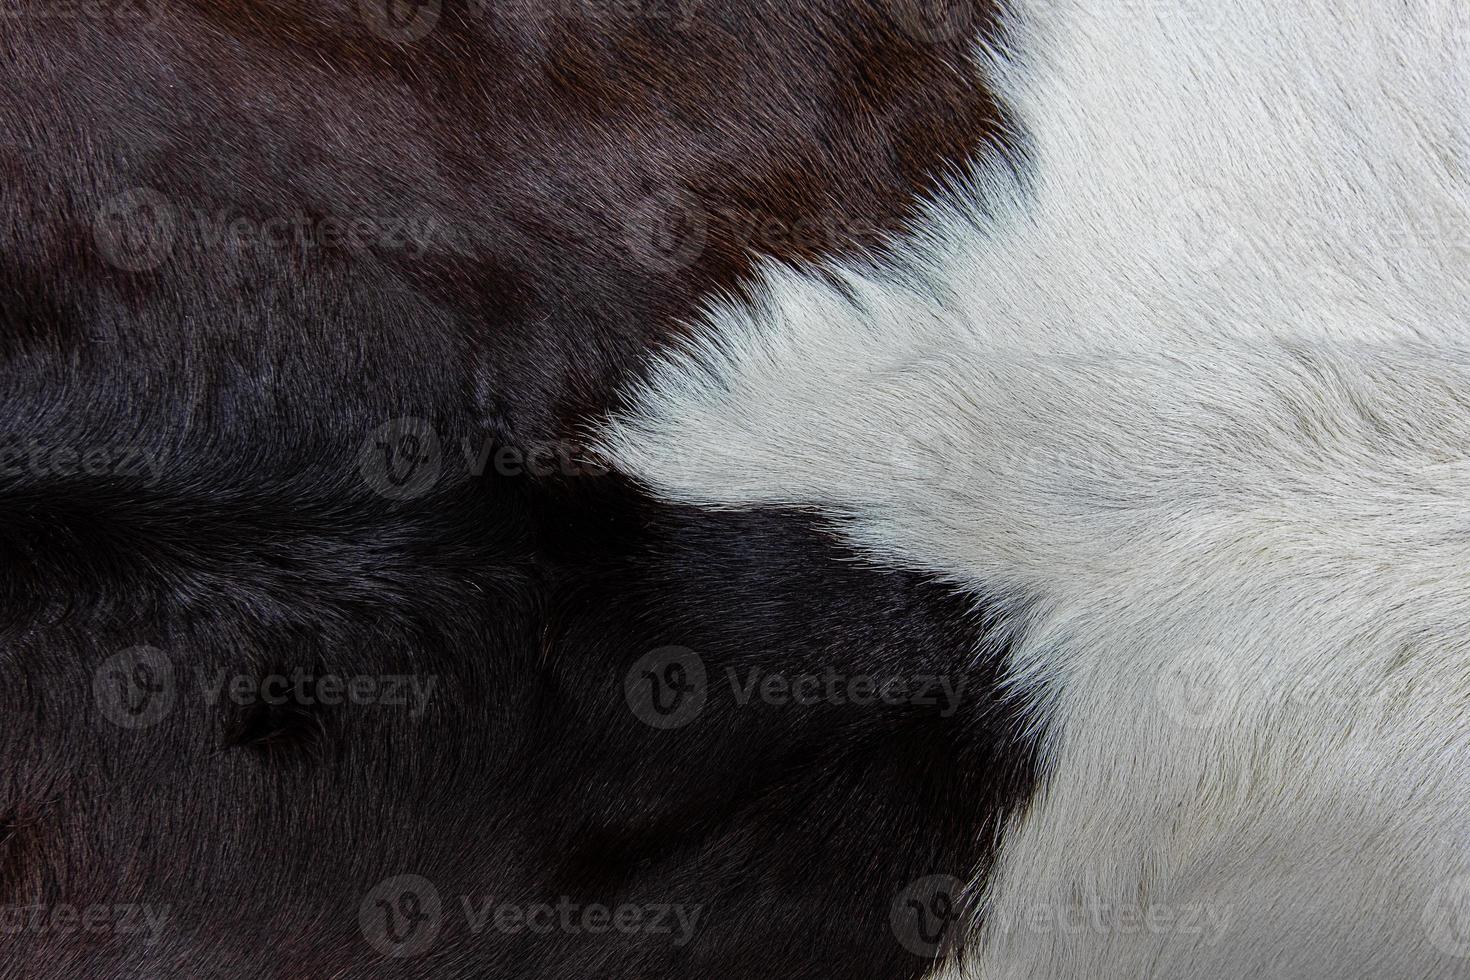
column 1184, row 384
column 511, row 167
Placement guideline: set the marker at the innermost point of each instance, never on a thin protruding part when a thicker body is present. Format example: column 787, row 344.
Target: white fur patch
column 1197, row 386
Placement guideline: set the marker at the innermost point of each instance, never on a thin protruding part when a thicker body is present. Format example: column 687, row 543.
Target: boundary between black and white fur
column 1197, row 387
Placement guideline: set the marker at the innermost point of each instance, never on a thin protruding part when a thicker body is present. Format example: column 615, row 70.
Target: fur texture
column 1187, row 380
column 195, row 460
